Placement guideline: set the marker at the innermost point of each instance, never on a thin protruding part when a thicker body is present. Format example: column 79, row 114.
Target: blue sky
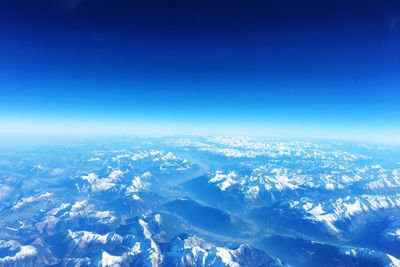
column 310, row 68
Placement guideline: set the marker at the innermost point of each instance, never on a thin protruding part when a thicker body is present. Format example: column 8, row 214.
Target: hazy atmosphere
column 199, row 133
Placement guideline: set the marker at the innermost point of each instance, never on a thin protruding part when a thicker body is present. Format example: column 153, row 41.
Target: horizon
column 112, row 128
column 61, row 134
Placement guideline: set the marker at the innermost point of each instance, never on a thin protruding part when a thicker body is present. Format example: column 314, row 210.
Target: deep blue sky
column 269, row 67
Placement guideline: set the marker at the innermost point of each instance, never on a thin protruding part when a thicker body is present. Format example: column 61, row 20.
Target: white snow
column 317, row 210
column 155, row 252
column 105, row 217
column 395, row 261
column 24, row 252
column 27, row 200
column 318, row 214
column 157, row 218
column 395, row 233
column 137, row 185
column 307, row 206
column 103, row 184
column 226, row 257
column 281, row 180
column 224, row 181
column 62, row 207
column 329, row 186
column 83, row 238
column 78, row 208
column 108, row 260
column 136, row 197
column 252, row 192
column 354, row 208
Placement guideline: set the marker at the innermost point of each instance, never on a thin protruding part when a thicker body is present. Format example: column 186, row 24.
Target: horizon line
column 108, row 128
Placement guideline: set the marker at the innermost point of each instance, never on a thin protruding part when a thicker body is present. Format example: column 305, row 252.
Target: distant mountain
column 200, row 201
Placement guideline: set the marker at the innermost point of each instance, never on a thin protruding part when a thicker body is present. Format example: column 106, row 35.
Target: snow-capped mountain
column 194, row 201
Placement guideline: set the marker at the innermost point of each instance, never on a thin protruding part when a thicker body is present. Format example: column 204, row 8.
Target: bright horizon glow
column 57, row 127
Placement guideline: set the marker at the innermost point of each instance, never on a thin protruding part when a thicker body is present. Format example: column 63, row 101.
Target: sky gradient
column 282, row 68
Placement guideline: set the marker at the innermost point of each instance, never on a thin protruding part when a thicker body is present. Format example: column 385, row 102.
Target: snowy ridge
column 197, row 201
column 193, row 251
column 345, row 208
column 18, row 254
